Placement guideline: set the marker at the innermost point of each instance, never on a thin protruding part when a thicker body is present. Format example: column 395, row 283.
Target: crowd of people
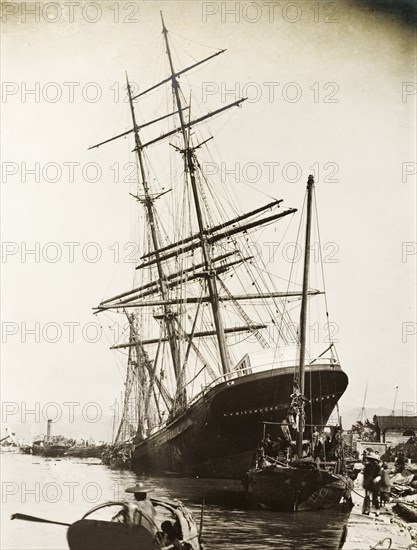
column 322, row 446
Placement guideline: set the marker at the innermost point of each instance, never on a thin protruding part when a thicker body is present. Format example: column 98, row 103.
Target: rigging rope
column 172, row 33
column 322, row 266
column 285, row 307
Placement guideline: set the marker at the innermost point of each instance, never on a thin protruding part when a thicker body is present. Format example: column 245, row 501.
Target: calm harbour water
column 65, row 489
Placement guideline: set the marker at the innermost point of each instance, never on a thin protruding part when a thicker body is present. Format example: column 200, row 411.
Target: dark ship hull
column 292, row 489
column 50, row 450
column 86, row 452
column 218, row 433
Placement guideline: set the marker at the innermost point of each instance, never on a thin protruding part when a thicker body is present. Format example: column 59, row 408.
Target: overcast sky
column 331, row 85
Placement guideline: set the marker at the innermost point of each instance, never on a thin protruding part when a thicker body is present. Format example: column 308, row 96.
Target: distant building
column 394, row 430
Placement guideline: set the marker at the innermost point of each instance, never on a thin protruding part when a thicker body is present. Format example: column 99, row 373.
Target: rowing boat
column 109, row 526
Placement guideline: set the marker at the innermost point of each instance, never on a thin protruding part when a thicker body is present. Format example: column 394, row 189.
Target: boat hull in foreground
column 101, row 535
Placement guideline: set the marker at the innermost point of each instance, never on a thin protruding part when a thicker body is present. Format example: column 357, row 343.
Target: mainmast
column 189, row 160
column 148, row 202
column 303, row 316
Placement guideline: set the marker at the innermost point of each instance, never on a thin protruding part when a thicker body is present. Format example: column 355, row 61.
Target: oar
column 37, row 520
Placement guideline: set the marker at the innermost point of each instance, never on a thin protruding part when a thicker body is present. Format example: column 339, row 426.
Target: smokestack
column 48, row 430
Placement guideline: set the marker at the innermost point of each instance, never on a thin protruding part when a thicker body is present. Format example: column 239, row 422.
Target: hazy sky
column 331, row 86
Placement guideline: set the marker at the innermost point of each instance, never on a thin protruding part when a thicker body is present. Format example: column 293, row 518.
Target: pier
column 383, row 532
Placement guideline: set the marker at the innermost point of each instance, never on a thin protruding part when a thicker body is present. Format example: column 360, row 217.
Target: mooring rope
column 380, row 542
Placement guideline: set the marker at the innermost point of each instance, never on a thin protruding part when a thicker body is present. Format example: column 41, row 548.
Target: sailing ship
column 300, row 480
column 204, row 370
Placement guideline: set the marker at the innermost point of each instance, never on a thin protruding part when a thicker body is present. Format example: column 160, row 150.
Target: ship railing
column 230, row 377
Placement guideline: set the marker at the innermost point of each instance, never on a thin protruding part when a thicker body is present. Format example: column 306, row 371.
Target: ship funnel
column 48, row 430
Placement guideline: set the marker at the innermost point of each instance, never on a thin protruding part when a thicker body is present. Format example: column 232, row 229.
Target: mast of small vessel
column 189, row 159
column 148, row 202
column 303, row 315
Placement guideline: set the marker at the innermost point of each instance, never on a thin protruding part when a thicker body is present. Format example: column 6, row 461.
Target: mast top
column 164, row 29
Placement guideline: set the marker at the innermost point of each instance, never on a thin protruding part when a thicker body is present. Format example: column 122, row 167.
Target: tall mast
column 168, row 313
column 395, row 401
column 189, row 160
column 363, row 411
column 303, row 315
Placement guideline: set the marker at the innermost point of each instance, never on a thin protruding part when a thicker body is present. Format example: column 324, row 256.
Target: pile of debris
column 404, row 483
column 404, row 493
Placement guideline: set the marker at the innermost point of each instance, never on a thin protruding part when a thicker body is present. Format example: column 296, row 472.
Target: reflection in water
column 65, row 489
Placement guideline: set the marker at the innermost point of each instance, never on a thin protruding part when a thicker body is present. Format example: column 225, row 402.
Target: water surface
column 65, row 489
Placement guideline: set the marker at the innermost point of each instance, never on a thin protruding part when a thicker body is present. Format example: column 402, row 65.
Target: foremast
column 168, row 317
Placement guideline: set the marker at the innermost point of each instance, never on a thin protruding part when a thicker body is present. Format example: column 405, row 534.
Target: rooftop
column 404, row 422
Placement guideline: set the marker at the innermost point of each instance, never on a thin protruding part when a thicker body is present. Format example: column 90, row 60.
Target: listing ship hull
column 218, row 433
column 50, row 450
column 289, row 489
column 86, row 452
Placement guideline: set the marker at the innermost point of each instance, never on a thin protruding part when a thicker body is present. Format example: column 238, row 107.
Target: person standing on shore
column 384, row 485
column 371, row 479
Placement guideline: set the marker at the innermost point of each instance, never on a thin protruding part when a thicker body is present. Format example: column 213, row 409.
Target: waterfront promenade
column 371, row 532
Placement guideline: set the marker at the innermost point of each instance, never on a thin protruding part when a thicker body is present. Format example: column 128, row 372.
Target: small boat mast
column 300, row 378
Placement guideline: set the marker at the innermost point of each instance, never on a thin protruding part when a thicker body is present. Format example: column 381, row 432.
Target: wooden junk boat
column 304, row 479
column 297, row 486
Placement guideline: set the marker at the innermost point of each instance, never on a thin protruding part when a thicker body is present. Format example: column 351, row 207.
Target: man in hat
column 371, row 478
column 140, row 512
